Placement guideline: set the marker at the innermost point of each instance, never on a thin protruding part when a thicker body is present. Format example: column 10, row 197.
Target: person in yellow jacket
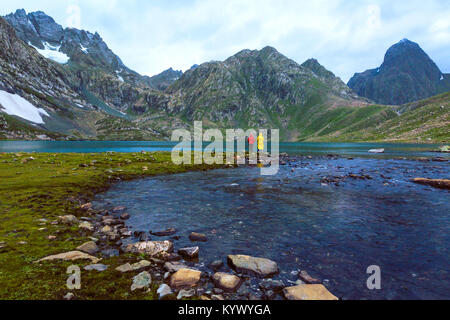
column 260, row 140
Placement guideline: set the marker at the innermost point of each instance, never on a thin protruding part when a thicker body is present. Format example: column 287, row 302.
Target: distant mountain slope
column 165, row 79
column 407, row 74
column 259, row 89
column 421, row 121
column 95, row 70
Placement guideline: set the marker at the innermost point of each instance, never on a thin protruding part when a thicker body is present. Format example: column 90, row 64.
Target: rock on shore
column 308, row 292
column 226, row 281
column 260, row 267
column 185, row 278
column 150, row 248
column 70, row 256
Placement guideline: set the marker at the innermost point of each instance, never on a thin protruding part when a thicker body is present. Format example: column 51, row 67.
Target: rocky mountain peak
column 314, row 65
column 407, row 74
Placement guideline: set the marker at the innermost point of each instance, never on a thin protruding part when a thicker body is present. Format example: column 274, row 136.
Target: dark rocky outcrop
column 407, row 74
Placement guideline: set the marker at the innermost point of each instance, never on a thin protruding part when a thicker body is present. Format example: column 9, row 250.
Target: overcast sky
column 345, row 36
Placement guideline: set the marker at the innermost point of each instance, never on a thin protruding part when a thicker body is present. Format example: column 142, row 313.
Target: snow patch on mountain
column 53, row 53
column 15, row 105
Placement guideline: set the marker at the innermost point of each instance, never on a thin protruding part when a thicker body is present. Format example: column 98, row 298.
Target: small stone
column 68, row 219
column 163, row 291
column 141, row 281
column 216, row 265
column 110, row 253
column 86, row 226
column 271, row 285
column 172, row 257
column 189, row 253
column 51, row 237
column 174, row 266
column 119, row 209
column 124, row 268
column 217, row 297
column 138, row 266
column 167, row 232
column 218, row 291
column 308, row 292
column 98, row 267
column 69, row 296
column 86, row 206
column 185, row 278
column 106, row 229
column 226, row 281
column 125, row 216
column 303, row 275
column 89, row 247
column 194, row 236
column 185, row 293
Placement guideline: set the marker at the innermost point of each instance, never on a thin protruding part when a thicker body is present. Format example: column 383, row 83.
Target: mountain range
column 65, row 83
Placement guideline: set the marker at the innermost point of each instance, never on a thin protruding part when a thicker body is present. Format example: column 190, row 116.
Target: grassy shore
column 41, row 186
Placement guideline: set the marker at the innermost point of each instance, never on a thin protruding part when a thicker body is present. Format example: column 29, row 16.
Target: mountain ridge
column 407, row 74
column 88, row 98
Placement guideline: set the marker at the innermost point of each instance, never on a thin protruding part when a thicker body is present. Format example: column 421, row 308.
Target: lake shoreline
column 39, row 223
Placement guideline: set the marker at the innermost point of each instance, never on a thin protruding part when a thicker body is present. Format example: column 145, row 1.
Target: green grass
column 47, row 187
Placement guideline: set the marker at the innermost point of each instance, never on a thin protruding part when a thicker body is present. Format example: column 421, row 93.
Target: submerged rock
column 436, row 183
column 125, row 216
column 303, row 275
column 216, row 265
column 260, row 267
column 190, row 253
column 271, row 285
column 167, row 232
column 308, row 292
column 194, row 236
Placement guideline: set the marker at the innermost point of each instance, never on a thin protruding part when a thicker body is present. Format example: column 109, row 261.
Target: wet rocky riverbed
column 330, row 216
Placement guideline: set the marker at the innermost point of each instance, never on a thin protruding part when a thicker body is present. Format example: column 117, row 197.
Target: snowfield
column 53, row 53
column 15, row 105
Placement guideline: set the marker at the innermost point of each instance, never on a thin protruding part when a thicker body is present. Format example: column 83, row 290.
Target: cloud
column 345, row 36
column 74, row 17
